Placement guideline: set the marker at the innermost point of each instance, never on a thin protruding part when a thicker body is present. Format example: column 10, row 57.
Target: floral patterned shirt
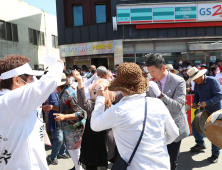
column 72, row 129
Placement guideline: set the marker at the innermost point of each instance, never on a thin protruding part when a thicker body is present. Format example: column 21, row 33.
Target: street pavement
column 188, row 160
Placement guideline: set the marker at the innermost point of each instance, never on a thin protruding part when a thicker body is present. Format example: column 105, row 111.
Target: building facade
column 188, row 30
column 28, row 31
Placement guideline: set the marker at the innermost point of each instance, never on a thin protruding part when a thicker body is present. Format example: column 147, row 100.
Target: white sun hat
column 24, row 69
column 170, row 67
column 194, row 73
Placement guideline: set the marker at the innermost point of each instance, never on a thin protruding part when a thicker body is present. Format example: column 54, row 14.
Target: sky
column 48, row 6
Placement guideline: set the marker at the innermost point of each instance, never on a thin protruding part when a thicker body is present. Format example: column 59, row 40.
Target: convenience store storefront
column 196, row 51
column 166, row 16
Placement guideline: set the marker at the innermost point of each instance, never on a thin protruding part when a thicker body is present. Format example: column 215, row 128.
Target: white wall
column 27, row 16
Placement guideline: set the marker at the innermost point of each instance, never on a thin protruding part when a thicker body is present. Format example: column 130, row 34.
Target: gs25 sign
column 210, row 11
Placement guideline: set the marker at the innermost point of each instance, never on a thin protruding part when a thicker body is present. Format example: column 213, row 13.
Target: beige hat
column 194, row 73
column 63, row 80
column 170, row 67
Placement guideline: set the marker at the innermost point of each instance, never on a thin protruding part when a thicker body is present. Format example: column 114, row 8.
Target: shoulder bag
column 120, row 164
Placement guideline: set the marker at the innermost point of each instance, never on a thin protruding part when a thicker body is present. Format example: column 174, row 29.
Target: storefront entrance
column 193, row 50
column 97, row 60
column 100, row 62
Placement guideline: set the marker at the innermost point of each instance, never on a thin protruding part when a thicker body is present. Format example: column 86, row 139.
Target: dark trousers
column 174, row 152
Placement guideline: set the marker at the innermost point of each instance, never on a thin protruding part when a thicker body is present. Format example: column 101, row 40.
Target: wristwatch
column 161, row 95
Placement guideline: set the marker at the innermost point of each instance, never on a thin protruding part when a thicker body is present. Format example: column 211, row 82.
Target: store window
column 77, row 15
column 15, row 32
column 129, row 58
column 31, row 38
column 36, row 37
column 53, row 41
column 9, row 31
column 42, row 39
column 2, row 30
column 196, row 58
column 142, row 57
column 100, row 13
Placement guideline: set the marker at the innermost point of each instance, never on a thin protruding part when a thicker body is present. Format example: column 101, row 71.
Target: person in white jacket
column 21, row 130
column 126, row 120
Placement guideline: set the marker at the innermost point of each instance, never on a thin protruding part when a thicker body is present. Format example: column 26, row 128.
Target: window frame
column 13, row 33
column 73, row 15
column 4, row 29
column 38, row 39
column 10, row 24
column 42, row 33
column 38, row 35
column 34, row 32
column 30, row 33
column 105, row 12
column 53, row 43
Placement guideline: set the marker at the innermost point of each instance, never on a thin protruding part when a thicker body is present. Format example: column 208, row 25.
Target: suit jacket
column 174, row 99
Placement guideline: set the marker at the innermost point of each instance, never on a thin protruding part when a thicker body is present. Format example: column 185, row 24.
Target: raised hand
column 77, row 75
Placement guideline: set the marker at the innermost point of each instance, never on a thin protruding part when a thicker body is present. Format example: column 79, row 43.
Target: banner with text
column 101, row 47
column 178, row 12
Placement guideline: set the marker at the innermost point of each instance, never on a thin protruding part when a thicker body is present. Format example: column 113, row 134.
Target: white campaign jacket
column 126, row 120
column 21, row 131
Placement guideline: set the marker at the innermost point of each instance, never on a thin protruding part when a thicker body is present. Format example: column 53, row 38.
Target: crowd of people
column 99, row 116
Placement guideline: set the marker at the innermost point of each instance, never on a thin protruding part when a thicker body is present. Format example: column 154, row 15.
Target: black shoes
column 53, row 161
column 65, row 156
column 213, row 159
column 197, row 148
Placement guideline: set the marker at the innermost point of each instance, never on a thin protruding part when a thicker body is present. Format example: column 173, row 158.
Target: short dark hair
column 218, row 61
column 116, row 65
column 67, row 72
column 74, row 66
column 9, row 63
column 63, row 86
column 213, row 68
column 156, row 60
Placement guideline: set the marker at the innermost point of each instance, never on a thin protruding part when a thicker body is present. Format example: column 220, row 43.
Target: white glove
column 155, row 88
column 50, row 61
column 145, row 69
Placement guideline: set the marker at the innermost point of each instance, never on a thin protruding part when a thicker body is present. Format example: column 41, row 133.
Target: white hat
column 194, row 73
column 24, row 69
column 170, row 67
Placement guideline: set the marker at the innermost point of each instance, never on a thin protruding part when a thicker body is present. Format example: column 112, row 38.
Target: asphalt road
column 188, row 160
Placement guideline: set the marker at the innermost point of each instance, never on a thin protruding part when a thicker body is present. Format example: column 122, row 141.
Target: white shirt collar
column 4, row 91
column 134, row 96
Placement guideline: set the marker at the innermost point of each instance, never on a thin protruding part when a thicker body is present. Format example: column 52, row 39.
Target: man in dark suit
column 171, row 89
